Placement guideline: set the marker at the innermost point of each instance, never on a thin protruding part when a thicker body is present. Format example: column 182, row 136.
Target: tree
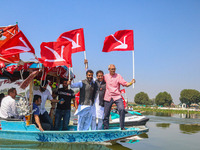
column 189, row 96
column 142, row 99
column 164, row 99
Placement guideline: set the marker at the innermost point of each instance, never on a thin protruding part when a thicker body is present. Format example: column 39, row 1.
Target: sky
column 166, row 38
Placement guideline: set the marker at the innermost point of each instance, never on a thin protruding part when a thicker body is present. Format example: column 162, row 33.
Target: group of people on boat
column 96, row 99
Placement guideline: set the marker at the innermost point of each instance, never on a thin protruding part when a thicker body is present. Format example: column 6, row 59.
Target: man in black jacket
column 98, row 107
column 64, row 110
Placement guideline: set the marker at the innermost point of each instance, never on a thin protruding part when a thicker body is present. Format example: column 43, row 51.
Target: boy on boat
column 36, row 112
column 64, row 110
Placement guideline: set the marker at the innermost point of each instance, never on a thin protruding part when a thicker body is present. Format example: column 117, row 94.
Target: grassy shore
column 167, row 110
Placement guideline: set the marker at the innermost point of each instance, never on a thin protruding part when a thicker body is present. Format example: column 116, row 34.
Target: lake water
column 166, row 132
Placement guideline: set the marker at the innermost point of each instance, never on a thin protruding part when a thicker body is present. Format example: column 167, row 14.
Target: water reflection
column 162, row 114
column 189, row 128
column 134, row 139
column 157, row 114
column 163, row 125
column 5, row 144
column 191, row 116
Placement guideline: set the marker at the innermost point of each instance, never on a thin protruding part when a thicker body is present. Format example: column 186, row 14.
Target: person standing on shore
column 113, row 95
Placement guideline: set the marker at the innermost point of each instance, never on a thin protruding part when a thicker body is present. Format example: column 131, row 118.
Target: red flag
column 77, row 97
column 24, row 67
column 76, row 37
column 10, row 58
column 11, row 68
column 123, row 91
column 7, row 33
column 56, row 54
column 28, row 80
column 124, row 102
column 18, row 44
column 121, row 41
column 2, row 65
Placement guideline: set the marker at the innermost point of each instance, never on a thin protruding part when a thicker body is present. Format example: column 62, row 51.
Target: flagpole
column 69, row 74
column 133, row 69
column 85, row 58
column 69, row 77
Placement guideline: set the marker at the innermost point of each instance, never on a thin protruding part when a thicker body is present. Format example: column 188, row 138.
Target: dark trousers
column 107, row 109
column 45, row 118
column 65, row 114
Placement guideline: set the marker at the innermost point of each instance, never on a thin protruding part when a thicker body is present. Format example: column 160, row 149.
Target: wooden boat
column 18, row 130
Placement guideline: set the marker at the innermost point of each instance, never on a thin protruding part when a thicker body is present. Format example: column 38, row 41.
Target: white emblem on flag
column 1, row 65
column 58, row 57
column 74, row 44
column 123, row 45
column 2, row 38
column 26, row 48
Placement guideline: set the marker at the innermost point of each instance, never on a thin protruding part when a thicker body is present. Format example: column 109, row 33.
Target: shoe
column 123, row 129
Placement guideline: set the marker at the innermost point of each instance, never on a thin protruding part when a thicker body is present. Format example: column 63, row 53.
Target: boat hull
column 31, row 134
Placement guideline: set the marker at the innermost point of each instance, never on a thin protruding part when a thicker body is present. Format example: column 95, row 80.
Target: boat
column 132, row 118
column 17, row 130
column 24, row 130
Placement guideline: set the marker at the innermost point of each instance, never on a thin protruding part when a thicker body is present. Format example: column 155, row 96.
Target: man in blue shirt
column 36, row 112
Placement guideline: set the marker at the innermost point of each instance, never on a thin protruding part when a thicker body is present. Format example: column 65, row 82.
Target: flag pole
column 69, row 73
column 85, row 58
column 133, row 69
column 69, row 76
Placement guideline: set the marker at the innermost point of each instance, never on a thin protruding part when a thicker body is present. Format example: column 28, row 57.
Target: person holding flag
column 87, row 94
column 113, row 95
column 122, row 40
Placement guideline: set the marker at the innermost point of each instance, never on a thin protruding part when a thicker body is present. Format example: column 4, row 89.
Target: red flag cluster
column 17, row 44
column 12, row 43
column 6, row 33
column 59, row 53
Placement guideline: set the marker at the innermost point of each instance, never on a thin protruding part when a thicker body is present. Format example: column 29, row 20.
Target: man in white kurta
column 8, row 106
column 98, row 107
column 87, row 93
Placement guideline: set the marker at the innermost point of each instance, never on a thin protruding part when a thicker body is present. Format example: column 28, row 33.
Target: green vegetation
column 155, row 109
column 164, row 99
column 189, row 96
column 142, row 99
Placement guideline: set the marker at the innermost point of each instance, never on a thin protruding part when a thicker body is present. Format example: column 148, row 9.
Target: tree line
column 187, row 96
